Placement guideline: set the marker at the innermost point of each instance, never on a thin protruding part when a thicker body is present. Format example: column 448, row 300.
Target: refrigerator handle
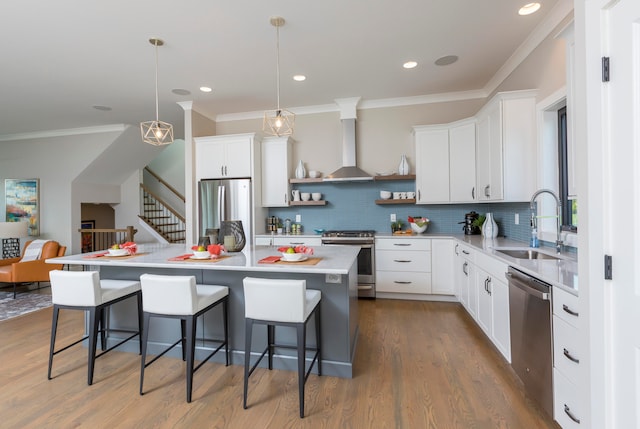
column 221, row 202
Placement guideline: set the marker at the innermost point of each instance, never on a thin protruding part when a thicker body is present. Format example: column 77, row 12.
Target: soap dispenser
column 534, row 233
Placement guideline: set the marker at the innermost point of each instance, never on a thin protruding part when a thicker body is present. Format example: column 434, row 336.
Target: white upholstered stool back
column 84, row 288
column 278, row 300
column 177, row 295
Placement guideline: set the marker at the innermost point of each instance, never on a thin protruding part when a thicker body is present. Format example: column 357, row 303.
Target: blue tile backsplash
column 352, row 206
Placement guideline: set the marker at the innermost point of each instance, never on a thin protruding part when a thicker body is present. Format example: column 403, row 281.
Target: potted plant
column 396, row 226
column 477, row 223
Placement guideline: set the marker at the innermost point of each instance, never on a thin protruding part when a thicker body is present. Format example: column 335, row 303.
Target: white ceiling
column 59, row 58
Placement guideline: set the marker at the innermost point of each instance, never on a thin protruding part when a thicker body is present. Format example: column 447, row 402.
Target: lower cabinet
column 287, row 240
column 403, row 265
column 442, row 282
column 464, row 277
column 567, row 358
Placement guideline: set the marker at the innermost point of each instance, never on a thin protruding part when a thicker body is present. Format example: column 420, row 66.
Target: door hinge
column 608, row 267
column 605, row 69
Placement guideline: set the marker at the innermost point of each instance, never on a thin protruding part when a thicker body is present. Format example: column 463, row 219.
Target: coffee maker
column 468, row 227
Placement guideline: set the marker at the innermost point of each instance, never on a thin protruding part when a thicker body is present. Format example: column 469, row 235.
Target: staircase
column 159, row 215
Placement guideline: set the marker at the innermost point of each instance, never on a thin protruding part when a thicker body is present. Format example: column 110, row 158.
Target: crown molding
column 114, row 128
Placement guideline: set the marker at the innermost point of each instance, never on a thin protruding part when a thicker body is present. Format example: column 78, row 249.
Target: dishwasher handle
column 520, row 284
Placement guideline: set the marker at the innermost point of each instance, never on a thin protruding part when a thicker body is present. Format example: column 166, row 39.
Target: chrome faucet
column 532, row 206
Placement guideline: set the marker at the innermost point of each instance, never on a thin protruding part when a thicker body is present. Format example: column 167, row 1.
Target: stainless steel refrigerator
column 224, row 199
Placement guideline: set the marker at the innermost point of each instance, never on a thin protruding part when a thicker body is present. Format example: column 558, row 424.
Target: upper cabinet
column 446, row 162
column 276, row 170
column 506, row 148
column 224, row 157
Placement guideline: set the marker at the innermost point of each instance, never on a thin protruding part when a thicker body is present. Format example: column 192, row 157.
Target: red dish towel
column 181, row 257
column 269, row 260
column 96, row 255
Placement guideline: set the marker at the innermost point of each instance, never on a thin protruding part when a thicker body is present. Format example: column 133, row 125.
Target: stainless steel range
column 366, row 258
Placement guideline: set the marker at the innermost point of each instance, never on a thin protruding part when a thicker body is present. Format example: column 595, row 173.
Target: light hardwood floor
column 418, row 365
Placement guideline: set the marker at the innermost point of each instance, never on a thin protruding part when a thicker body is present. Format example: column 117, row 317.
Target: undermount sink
column 526, row 254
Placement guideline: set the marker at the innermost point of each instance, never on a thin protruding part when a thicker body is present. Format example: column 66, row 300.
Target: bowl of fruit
column 116, row 250
column 295, row 254
column 200, row 252
column 418, row 224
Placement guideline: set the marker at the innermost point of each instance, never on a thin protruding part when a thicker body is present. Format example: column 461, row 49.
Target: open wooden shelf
column 308, row 203
column 401, row 201
column 395, row 177
column 306, row 180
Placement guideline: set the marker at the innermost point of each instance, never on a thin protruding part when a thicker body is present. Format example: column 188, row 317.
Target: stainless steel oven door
column 366, row 266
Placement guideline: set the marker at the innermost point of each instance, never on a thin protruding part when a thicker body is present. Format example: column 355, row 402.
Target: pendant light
column 279, row 122
column 156, row 132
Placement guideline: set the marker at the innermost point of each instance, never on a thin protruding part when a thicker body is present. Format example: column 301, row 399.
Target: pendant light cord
column 157, row 115
column 278, row 67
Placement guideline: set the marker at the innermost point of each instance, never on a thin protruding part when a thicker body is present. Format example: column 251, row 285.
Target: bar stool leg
column 318, row 338
column 93, row 339
column 190, row 339
column 183, row 331
column 271, row 340
column 225, row 322
column 302, row 330
column 54, row 330
column 248, row 328
column 140, row 319
column 143, row 340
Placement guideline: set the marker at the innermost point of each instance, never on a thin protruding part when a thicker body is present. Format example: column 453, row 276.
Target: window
column 569, row 203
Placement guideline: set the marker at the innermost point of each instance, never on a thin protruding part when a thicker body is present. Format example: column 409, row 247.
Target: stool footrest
column 117, row 345
column 163, row 353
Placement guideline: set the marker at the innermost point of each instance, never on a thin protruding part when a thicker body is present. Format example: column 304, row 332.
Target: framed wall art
column 87, row 237
column 22, row 202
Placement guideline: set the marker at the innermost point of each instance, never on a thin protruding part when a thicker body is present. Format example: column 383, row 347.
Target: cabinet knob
column 487, row 191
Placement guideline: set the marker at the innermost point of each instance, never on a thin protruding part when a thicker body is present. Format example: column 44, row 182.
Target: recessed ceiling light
column 205, row 89
column 529, row 8
column 180, row 91
column 410, row 64
column 299, row 77
column 103, row 108
column 446, row 60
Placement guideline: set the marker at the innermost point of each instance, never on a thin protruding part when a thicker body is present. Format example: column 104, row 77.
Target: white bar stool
column 83, row 290
column 179, row 297
column 281, row 302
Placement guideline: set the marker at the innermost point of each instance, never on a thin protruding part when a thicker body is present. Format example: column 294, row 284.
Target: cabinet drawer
column 297, row 241
column 403, row 282
column 465, row 251
column 263, row 241
column 410, row 260
column 565, row 306
column 566, row 404
column 491, row 265
column 403, row 244
column 565, row 349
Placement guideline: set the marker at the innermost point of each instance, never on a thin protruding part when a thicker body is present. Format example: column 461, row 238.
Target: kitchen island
column 334, row 274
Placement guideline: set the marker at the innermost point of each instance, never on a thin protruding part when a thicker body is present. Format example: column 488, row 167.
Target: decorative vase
column 232, row 235
column 403, row 168
column 300, row 171
column 489, row 227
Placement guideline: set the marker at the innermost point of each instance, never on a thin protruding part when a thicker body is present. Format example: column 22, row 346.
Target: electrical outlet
column 393, row 217
column 298, row 218
column 517, row 219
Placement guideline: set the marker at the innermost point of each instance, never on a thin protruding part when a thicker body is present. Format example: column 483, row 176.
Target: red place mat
column 278, row 260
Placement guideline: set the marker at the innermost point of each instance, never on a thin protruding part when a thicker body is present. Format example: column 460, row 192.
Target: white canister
column 301, row 172
column 489, row 227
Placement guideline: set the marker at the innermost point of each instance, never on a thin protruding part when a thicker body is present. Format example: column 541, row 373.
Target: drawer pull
column 465, row 252
column 568, row 310
column 464, row 269
column 568, row 412
column 402, row 244
column 567, row 354
column 401, row 260
column 402, row 283
column 297, row 243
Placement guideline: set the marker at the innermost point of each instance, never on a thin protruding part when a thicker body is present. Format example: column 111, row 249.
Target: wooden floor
column 418, row 365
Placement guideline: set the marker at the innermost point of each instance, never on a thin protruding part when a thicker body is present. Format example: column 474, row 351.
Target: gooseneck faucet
column 532, row 206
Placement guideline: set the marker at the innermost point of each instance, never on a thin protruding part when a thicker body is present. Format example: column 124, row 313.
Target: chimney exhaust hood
column 349, row 172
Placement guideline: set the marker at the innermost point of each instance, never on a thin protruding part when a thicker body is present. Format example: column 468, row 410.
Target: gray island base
column 335, row 275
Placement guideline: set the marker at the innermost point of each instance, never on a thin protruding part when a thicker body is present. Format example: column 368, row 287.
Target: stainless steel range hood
column 349, row 172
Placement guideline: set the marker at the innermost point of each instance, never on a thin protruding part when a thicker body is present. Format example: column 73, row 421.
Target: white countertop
column 334, row 260
column 562, row 273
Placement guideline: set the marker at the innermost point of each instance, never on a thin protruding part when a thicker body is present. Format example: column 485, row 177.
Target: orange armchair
column 14, row 271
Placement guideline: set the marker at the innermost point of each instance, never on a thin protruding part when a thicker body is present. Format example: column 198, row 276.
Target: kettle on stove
column 468, row 227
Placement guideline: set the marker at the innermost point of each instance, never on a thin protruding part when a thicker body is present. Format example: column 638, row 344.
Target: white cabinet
column 442, row 282
column 567, row 358
column 224, row 157
column 506, row 148
column 296, row 240
column 276, row 170
column 493, row 302
column 403, row 265
column 445, row 162
column 464, row 276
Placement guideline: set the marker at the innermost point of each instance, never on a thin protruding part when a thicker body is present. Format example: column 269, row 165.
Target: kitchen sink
column 526, row 254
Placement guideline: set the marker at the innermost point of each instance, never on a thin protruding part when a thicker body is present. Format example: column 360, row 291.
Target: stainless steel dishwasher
column 531, row 337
